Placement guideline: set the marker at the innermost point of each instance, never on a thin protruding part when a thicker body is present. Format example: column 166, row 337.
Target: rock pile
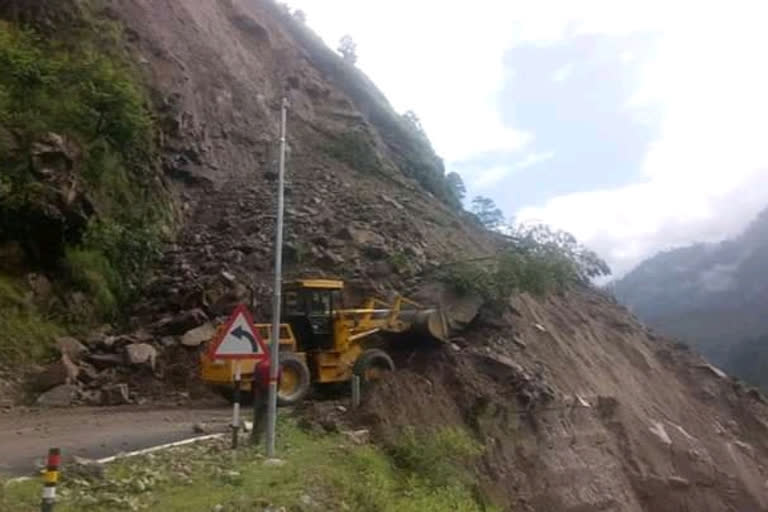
column 114, row 369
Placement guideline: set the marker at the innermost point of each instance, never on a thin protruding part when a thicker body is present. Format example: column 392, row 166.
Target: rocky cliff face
column 577, row 405
column 365, row 198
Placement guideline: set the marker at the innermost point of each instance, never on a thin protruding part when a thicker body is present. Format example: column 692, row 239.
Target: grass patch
column 322, row 472
column 25, row 334
column 84, row 89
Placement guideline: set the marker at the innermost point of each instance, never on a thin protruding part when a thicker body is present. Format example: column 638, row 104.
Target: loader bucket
column 428, row 322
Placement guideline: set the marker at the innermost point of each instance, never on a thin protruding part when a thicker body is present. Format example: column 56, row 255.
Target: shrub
column 354, row 149
column 440, row 458
column 85, row 90
column 25, row 334
column 538, row 261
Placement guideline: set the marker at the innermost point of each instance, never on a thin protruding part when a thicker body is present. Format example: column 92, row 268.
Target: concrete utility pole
column 276, row 299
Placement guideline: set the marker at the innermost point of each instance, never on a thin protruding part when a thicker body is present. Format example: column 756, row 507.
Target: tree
column 456, row 184
column 300, row 16
column 487, row 212
column 348, row 49
column 414, row 121
column 544, row 241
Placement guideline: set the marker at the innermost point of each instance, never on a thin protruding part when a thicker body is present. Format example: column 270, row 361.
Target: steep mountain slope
column 577, row 407
column 711, row 295
column 581, row 408
column 366, row 198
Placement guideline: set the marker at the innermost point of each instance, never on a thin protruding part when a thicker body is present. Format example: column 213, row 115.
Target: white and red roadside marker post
column 237, row 341
column 50, row 479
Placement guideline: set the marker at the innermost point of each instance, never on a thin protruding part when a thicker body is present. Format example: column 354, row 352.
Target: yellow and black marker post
column 50, row 479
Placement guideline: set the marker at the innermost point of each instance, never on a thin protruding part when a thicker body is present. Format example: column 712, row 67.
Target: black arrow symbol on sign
column 241, row 333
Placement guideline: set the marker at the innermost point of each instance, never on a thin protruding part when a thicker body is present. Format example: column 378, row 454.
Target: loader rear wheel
column 372, row 365
column 294, row 379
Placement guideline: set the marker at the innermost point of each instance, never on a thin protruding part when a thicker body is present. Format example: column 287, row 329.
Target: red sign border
column 240, row 309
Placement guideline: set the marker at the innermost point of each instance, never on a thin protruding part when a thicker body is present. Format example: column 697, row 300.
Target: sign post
column 238, row 340
column 275, row 342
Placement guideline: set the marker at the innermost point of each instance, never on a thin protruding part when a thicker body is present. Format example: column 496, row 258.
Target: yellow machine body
column 328, row 338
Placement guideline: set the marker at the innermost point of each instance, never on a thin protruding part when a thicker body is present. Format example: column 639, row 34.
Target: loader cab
column 308, row 307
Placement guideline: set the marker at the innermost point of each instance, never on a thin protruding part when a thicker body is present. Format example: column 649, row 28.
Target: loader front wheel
column 294, row 379
column 372, row 365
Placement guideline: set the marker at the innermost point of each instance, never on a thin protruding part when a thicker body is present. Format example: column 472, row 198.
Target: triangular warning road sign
column 238, row 339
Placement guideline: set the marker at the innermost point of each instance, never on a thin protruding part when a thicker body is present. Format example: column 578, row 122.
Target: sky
column 637, row 126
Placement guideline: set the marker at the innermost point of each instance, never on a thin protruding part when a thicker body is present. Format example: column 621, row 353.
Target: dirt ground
column 96, row 432
column 580, row 408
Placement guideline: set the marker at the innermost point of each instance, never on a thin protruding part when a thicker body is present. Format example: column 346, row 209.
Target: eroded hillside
column 577, row 406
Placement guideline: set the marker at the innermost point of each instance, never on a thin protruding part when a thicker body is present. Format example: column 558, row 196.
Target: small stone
column 101, row 361
column 361, row 436
column 168, row 341
column 341, row 408
column 201, row 428
column 116, row 394
column 218, row 507
column 85, row 468
column 181, row 323
column 228, row 276
column 93, row 397
column 540, row 327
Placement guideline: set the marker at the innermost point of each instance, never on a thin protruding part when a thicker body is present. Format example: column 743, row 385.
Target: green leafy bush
column 25, row 334
column 85, row 90
column 537, row 260
column 355, row 150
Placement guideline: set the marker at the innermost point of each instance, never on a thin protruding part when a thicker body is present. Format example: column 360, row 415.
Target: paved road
column 25, row 436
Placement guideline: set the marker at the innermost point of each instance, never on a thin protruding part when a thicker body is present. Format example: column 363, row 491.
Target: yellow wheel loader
column 322, row 342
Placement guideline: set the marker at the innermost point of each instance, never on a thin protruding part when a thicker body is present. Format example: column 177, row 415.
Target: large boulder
column 181, row 323
column 141, row 354
column 199, row 335
column 71, row 348
column 115, row 394
column 372, row 244
column 63, row 371
column 60, row 396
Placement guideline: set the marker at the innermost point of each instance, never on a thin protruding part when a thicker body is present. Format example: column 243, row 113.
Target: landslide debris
column 580, row 407
column 577, row 406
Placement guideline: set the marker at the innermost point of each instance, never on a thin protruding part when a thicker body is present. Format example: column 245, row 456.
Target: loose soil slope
column 362, row 187
column 582, row 408
column 579, row 407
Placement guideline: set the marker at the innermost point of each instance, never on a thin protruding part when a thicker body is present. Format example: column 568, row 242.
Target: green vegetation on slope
column 321, row 472
column 537, row 260
column 27, row 334
column 79, row 187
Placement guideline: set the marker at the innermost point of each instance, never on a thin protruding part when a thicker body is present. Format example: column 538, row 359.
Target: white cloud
column 563, row 73
column 535, row 159
column 489, row 177
column 703, row 176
